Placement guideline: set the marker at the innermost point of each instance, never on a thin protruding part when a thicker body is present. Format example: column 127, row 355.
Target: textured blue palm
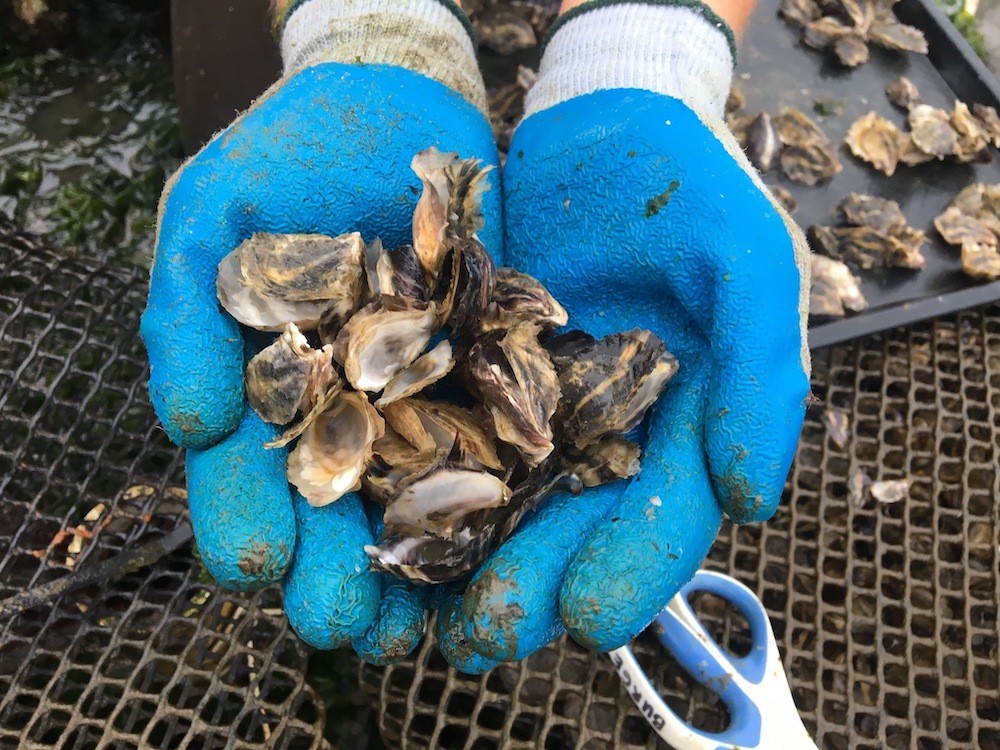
column 633, row 214
column 329, row 152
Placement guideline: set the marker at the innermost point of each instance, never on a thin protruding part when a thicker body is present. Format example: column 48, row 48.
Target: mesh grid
column 885, row 613
column 155, row 658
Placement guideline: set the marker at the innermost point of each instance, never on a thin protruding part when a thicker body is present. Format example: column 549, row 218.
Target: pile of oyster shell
column 791, row 138
column 430, row 379
column 972, row 221
column 848, row 27
column 964, row 134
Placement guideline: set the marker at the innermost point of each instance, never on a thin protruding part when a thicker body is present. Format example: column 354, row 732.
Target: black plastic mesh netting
column 885, row 613
column 154, row 658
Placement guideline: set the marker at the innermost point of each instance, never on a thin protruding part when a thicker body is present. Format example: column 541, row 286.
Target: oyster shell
column 427, row 369
column 851, row 50
column 835, row 290
column 274, row 279
column 957, row 228
column 430, row 559
column 383, row 338
column 981, row 261
column 876, row 140
column 868, row 210
column 398, row 273
column 887, row 32
column 519, row 298
column 392, row 462
column 433, row 426
column 736, row 101
column 931, row 131
column 762, row 142
column 903, row 93
column 784, row 197
column 438, row 500
column 288, row 376
column 330, row 458
column 517, row 382
column 799, row 12
column 973, row 137
column 609, row 384
column 808, row 156
column 811, row 163
column 610, row 458
column 990, row 120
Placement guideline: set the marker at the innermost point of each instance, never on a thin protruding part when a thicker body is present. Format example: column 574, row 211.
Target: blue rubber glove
column 368, row 84
column 627, row 196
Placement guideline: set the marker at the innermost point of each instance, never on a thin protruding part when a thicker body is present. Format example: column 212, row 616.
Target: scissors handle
column 754, row 687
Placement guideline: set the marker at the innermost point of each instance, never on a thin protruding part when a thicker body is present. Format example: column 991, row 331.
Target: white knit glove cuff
column 674, row 48
column 430, row 37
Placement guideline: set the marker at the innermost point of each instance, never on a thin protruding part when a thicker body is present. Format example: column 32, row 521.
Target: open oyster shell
column 288, row 376
column 876, row 140
column 835, row 290
column 426, row 369
column 271, row 279
column 437, row 501
column 516, row 380
column 330, row 458
column 609, row 384
column 386, row 336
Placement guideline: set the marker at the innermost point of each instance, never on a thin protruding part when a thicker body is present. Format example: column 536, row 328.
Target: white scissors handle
column 763, row 715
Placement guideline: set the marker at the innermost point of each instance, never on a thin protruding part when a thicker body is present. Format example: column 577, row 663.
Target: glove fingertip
column 331, row 595
column 196, row 372
column 241, row 508
column 458, row 650
column 398, row 627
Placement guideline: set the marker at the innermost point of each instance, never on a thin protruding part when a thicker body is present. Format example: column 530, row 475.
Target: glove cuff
column 679, row 48
column 430, row 37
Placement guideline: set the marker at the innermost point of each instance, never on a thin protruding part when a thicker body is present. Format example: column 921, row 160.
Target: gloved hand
column 327, row 149
column 627, row 196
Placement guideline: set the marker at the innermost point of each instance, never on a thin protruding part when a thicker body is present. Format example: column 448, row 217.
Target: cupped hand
column 635, row 213
column 325, row 151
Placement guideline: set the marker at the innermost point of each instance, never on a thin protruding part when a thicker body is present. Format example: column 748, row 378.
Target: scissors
column 754, row 687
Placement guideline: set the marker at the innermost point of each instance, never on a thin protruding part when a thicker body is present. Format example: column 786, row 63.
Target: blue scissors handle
column 754, row 687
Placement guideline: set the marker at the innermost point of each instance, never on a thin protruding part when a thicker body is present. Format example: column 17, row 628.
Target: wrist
column 679, row 48
column 431, row 37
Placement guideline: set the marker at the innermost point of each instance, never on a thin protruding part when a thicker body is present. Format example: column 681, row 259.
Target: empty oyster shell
column 795, row 128
column 835, row 290
column 981, row 261
column 398, row 273
column 609, row 384
column 867, row 247
column 449, row 208
column 437, row 501
column 903, row 93
column 288, row 376
column 931, row 130
column 990, row 120
column 868, row 210
column 608, row 459
column 430, row 559
column 392, row 462
column 519, row 298
column 887, row 32
column 272, row 279
column 517, row 382
column 762, row 142
column 433, row 426
column 425, row 370
column 851, row 50
column 810, row 163
column 973, row 136
column 876, row 140
column 909, row 154
column 330, row 458
column 799, row 12
column 957, row 228
column 383, row 338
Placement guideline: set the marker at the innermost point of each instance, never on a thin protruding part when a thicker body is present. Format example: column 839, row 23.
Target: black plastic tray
column 775, row 69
